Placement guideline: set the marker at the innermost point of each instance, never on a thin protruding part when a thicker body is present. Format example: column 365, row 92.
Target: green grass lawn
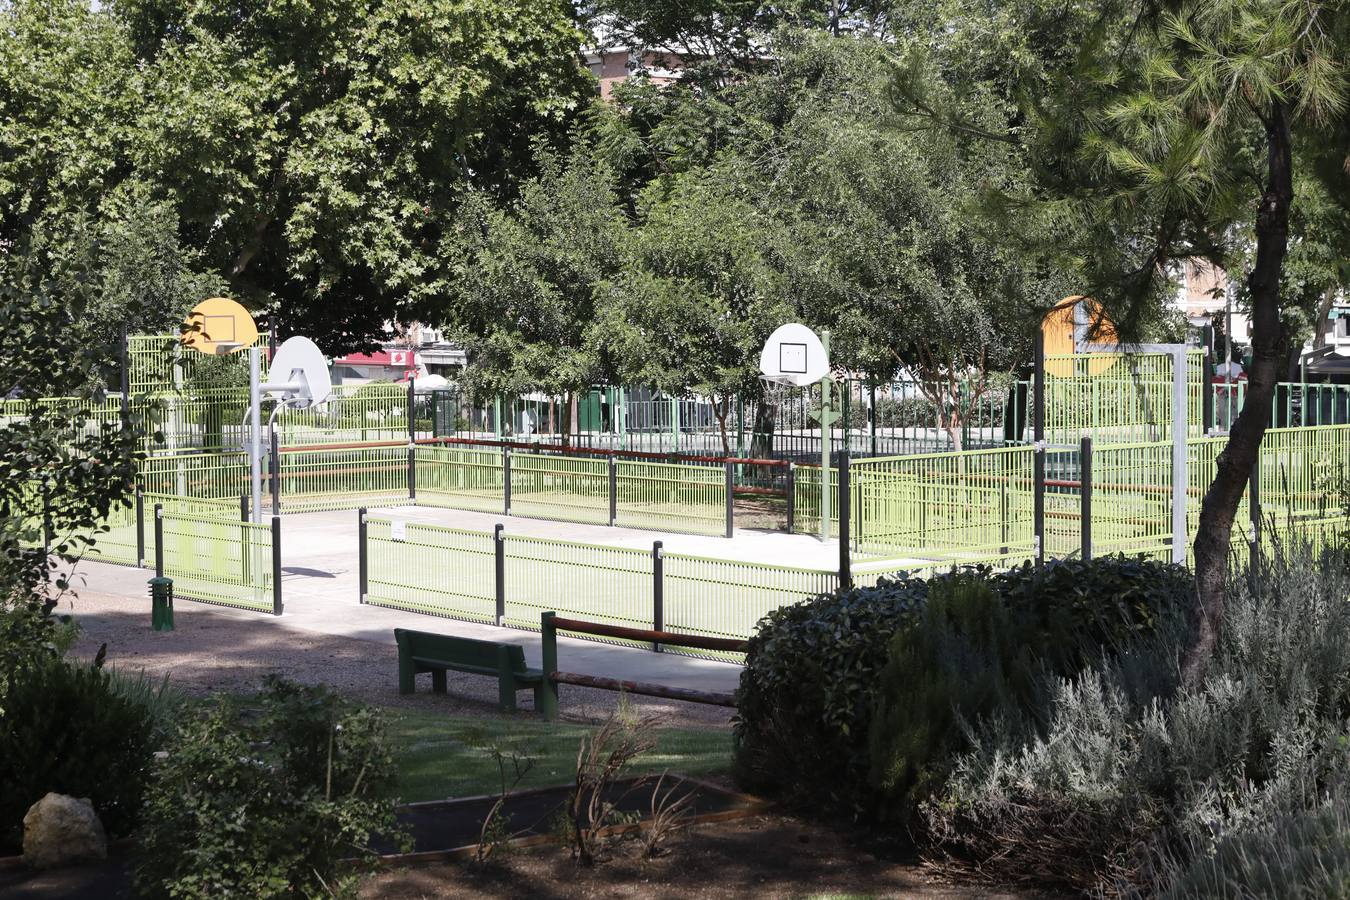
column 443, row 756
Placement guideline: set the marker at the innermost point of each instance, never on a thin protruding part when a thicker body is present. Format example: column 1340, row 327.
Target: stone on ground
column 59, row 831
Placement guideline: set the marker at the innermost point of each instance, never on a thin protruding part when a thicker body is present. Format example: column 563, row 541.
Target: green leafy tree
column 1180, row 132
column 313, row 154
column 691, row 313
column 527, row 277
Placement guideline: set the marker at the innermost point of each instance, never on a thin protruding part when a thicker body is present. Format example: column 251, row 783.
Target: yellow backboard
column 218, row 326
column 1073, row 322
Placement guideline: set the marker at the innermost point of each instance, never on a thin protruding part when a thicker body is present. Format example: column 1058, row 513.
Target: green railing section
column 664, row 496
column 430, row 569
column 197, row 475
column 593, row 581
column 343, row 478
column 570, row 488
column 1117, row 397
column 116, row 540
column 216, row 560
column 978, row 502
column 460, row 478
column 461, row 574
column 956, row 506
column 726, row 598
column 671, row 497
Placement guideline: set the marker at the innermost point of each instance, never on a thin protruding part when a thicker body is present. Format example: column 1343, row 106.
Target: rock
column 61, row 831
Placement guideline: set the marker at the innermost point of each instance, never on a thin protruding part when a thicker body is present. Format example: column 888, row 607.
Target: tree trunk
column 1235, row 463
column 722, row 410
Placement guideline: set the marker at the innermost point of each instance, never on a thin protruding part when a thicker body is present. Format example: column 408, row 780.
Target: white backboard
column 793, row 354
column 298, row 374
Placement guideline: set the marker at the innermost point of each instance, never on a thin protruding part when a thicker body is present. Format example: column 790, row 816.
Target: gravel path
column 218, row 650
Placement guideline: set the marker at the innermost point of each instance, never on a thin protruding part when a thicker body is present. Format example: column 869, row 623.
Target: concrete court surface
column 320, row 560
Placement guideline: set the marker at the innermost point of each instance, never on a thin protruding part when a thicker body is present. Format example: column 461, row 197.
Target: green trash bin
column 161, row 604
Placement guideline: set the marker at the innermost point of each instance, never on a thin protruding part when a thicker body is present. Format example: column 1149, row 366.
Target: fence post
column 845, row 514
column 363, row 564
column 791, row 498
column 499, row 546
column 658, row 591
column 730, row 479
column 1254, row 511
column 613, row 491
column 159, row 540
column 412, row 474
column 243, row 507
column 1085, row 497
column 46, row 518
column 1038, row 436
column 549, row 634
column 1038, row 499
column 412, row 411
column 506, row 480
column 126, row 381
column 1207, row 371
column 872, row 413
column 276, row 565
column 275, row 462
column 140, row 528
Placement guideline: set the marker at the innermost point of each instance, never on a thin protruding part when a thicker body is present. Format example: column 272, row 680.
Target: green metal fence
column 570, row 488
column 215, row 560
column 671, row 497
column 978, row 502
column 630, row 493
column 429, row 569
column 196, row 475
column 343, row 478
column 511, row 579
column 460, row 478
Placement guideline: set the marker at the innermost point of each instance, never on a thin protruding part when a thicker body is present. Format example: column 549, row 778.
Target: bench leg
column 506, row 682
column 438, row 680
column 407, row 675
column 543, row 693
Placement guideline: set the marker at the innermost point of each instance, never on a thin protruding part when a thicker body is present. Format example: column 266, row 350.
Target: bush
column 806, row 692
column 263, row 801
column 1123, row 765
column 962, row 658
column 68, row 728
column 810, row 684
column 1304, row 856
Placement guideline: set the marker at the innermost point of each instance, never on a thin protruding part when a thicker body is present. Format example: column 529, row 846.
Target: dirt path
column 767, row 858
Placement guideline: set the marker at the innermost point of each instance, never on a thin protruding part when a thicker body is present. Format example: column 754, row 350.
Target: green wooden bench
column 422, row 651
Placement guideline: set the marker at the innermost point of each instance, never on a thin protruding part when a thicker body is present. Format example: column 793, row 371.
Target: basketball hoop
column 776, row 388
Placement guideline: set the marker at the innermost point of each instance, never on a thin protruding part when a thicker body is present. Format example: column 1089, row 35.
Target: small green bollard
column 161, row 604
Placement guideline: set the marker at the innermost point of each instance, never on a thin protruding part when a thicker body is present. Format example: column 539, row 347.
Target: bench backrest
column 462, row 650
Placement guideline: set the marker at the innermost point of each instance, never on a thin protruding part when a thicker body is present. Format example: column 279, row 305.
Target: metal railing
column 508, row 579
column 216, row 560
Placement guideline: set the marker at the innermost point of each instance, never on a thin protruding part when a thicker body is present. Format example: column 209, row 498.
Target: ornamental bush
column 1124, row 770
column 806, row 693
column 264, row 799
column 69, row 727
column 810, row 687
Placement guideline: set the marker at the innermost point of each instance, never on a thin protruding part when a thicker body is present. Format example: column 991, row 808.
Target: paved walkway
column 320, row 586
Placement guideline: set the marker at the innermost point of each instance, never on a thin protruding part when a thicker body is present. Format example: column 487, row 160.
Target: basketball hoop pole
column 255, row 439
column 826, row 419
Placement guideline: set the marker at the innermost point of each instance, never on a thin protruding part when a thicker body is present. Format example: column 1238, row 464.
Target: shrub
column 67, row 728
column 810, row 684
column 1123, row 764
column 264, row 801
column 1303, row 856
column 1109, row 601
column 807, row 689
column 963, row 657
